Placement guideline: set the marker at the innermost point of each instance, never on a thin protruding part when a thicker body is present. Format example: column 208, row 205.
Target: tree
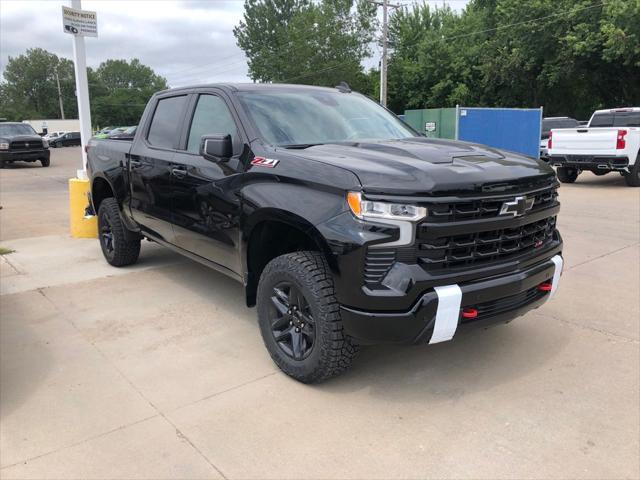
column 119, row 91
column 571, row 56
column 299, row 41
column 29, row 89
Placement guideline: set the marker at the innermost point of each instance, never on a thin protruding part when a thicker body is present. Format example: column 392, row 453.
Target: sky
column 186, row 41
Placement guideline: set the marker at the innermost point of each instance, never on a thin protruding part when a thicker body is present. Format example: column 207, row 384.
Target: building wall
column 55, row 125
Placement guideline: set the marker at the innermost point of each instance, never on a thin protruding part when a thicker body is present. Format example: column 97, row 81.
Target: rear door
column 206, row 208
column 150, row 167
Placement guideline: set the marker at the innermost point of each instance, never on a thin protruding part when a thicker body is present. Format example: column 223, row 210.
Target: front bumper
column 24, row 156
column 590, row 162
column 437, row 315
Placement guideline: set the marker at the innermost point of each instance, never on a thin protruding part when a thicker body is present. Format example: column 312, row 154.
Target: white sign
column 430, row 126
column 79, row 22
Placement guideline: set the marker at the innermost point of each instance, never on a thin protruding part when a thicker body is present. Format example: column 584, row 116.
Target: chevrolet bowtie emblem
column 517, row 207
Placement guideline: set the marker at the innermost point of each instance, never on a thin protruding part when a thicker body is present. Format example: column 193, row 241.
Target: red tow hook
column 469, row 312
column 545, row 286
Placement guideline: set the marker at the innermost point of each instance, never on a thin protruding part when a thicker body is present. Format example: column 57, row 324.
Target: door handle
column 135, row 163
column 179, row 172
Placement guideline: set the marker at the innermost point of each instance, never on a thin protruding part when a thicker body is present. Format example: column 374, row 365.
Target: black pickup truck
column 19, row 142
column 345, row 226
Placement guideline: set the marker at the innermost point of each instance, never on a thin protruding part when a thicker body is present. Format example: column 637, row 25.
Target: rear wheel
column 120, row 247
column 299, row 318
column 633, row 177
column 567, row 174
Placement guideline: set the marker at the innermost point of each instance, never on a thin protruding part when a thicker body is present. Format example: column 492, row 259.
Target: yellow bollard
column 80, row 226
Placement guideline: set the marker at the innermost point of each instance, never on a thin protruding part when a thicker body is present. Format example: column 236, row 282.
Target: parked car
column 69, row 139
column 610, row 143
column 51, row 135
column 550, row 123
column 113, row 131
column 19, row 142
column 344, row 225
column 126, row 134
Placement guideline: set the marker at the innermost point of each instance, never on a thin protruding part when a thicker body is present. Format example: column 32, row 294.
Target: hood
column 423, row 166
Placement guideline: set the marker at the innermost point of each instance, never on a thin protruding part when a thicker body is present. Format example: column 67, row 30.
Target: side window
column 602, row 120
column 211, row 116
column 166, row 121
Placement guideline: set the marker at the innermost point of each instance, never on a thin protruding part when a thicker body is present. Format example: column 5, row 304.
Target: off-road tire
column 125, row 244
column 45, row 162
column 633, row 177
column 333, row 350
column 567, row 174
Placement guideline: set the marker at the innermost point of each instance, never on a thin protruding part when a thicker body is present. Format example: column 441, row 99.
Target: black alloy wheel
column 292, row 324
column 106, row 238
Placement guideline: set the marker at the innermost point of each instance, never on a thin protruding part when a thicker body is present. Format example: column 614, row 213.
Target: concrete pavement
column 158, row 370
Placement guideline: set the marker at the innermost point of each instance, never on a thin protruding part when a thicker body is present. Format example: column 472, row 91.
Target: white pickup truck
column 610, row 142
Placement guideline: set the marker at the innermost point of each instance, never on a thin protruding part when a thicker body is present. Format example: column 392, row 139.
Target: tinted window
column 627, row 119
column 166, row 122
column 602, row 120
column 210, row 117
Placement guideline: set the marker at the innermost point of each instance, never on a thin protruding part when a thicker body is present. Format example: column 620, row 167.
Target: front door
column 150, row 168
column 206, row 206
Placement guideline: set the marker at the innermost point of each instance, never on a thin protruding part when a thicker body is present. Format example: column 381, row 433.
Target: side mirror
column 216, row 148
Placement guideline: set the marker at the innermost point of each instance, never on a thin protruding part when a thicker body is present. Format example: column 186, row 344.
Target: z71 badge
column 264, row 162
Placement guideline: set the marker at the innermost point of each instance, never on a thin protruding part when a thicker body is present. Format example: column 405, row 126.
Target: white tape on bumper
column 557, row 260
column 449, row 298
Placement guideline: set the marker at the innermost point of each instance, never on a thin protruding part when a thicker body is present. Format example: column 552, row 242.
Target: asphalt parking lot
column 158, row 370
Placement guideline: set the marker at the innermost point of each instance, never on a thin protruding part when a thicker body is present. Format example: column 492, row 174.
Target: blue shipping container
column 517, row 130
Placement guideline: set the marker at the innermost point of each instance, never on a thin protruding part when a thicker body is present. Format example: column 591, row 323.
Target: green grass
column 6, row 251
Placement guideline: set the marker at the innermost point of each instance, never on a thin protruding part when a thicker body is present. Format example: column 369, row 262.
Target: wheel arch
column 272, row 232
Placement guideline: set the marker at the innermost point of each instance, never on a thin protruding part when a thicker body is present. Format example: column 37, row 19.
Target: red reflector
column 545, row 287
column 621, row 143
column 469, row 312
column 550, row 142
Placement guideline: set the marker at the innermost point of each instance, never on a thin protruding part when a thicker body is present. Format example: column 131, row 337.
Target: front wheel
column 45, row 162
column 567, row 174
column 299, row 318
column 120, row 247
column 633, row 177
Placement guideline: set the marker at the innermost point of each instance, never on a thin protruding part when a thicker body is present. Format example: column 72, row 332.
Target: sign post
column 81, row 23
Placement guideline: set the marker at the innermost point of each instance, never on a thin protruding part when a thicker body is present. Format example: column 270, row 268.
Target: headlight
column 383, row 210
column 45, row 144
column 4, row 146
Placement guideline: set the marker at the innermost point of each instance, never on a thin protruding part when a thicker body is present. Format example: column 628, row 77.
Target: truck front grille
column 484, row 208
column 484, row 247
column 24, row 145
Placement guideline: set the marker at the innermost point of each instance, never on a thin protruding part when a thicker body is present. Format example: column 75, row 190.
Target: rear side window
column 627, row 119
column 602, row 120
column 166, row 122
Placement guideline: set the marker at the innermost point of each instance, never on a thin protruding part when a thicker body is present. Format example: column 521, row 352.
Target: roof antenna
column 344, row 87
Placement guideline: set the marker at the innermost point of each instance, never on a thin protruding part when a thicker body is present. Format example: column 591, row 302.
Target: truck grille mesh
column 503, row 305
column 483, row 247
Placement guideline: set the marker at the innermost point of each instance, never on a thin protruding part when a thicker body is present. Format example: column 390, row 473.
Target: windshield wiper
column 300, row 146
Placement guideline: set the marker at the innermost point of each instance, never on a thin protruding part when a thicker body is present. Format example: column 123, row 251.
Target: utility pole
column 59, row 95
column 385, row 33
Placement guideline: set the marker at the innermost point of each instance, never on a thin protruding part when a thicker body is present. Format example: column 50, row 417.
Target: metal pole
column 383, row 70
column 59, row 95
column 82, row 91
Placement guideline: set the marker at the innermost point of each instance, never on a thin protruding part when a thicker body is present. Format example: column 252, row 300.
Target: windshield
column 16, row 129
column 314, row 117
